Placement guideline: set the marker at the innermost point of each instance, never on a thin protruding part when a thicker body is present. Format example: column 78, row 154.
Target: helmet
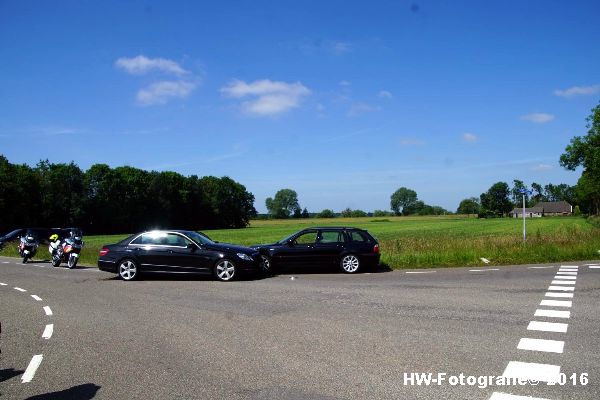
column 53, row 237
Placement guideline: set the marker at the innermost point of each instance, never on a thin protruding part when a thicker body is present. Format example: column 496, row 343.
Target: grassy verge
column 423, row 242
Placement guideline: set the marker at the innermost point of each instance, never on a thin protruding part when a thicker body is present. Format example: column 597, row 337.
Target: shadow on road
column 6, row 374
column 80, row 392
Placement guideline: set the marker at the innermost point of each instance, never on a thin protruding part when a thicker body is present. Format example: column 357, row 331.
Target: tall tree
column 517, row 193
column 584, row 151
column 469, row 206
column 401, row 199
column 496, row 199
column 538, row 193
column 284, row 204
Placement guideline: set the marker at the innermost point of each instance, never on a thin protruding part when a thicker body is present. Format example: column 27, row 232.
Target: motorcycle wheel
column 25, row 260
column 72, row 263
column 56, row 262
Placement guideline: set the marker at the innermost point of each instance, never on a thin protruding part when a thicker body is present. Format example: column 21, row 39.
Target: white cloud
column 384, row 94
column 141, row 64
column 541, row 167
column 411, row 142
column 163, row 91
column 339, row 48
column 578, row 91
column 345, row 83
column 269, row 97
column 538, row 118
column 469, row 137
column 362, row 108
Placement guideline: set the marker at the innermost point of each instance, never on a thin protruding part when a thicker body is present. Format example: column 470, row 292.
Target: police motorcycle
column 66, row 250
column 28, row 245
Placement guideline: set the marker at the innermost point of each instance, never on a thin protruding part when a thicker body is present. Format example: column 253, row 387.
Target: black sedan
column 351, row 249
column 177, row 251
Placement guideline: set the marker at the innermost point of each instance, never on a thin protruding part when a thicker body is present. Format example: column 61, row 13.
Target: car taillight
column 104, row 251
column 376, row 248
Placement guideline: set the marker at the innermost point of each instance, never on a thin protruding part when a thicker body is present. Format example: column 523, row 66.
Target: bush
column 326, row 214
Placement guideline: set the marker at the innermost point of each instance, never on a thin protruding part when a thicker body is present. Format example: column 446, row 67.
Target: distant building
column 544, row 209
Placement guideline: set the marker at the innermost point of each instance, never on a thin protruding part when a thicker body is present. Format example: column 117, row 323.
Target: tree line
column 116, row 200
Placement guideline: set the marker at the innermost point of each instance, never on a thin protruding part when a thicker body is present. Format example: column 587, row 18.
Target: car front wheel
column 128, row 270
column 225, row 270
column 350, row 263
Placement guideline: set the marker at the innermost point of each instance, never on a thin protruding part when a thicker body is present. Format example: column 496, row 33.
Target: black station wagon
column 351, row 249
column 177, row 251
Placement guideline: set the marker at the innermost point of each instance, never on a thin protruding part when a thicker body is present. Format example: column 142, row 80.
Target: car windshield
column 286, row 239
column 199, row 238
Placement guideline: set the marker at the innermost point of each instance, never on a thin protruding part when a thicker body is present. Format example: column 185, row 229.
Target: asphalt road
column 317, row 336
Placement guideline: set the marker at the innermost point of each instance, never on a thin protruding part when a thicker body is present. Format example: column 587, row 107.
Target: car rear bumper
column 107, row 265
column 371, row 260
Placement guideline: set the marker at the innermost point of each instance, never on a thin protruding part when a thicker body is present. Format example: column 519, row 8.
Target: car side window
column 357, row 236
column 331, row 237
column 306, row 238
column 176, row 240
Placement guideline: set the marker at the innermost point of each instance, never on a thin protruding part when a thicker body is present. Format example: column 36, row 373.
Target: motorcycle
column 67, row 251
column 28, row 246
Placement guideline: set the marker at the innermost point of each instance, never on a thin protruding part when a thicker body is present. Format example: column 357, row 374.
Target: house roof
column 535, row 209
column 555, row 206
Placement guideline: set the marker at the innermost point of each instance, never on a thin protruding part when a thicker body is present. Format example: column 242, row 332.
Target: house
column 544, row 209
column 533, row 212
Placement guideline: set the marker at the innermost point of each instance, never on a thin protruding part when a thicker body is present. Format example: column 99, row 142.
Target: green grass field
column 423, row 242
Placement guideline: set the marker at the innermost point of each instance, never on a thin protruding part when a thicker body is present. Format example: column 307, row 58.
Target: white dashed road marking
column 552, row 313
column 47, row 310
column 506, row 396
column 31, row 368
column 566, row 278
column 532, row 371
column 48, row 331
column 556, row 303
column 487, row 269
column 548, row 346
column 420, row 272
column 562, row 288
column 547, row 326
column 563, row 282
column 5, row 262
column 36, row 298
column 20, row 290
column 566, row 273
column 556, row 294
column 594, row 266
column 3, row 284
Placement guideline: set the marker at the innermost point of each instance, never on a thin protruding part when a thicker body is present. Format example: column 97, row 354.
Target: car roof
column 334, row 228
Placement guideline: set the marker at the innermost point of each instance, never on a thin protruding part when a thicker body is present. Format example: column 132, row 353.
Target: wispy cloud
column 574, row 91
column 163, row 91
column 384, row 94
column 268, row 97
column 141, row 65
column 469, row 137
column 338, row 48
column 538, row 118
column 345, row 83
column 411, row 142
column 541, row 167
column 362, row 108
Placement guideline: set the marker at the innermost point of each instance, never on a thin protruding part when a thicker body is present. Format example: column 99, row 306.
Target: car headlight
column 244, row 256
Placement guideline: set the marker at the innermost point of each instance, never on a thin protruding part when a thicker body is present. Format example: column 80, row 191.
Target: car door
column 329, row 246
column 186, row 256
column 150, row 251
column 299, row 251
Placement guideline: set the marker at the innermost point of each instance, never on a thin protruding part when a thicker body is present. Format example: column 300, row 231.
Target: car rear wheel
column 350, row 263
column 225, row 270
column 128, row 270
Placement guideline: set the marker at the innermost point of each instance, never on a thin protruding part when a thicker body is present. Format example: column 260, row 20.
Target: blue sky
column 342, row 101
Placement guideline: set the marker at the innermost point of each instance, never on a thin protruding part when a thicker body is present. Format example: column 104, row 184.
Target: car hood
column 230, row 248
column 261, row 246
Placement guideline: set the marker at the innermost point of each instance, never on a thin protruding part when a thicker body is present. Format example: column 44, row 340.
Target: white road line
column 556, row 303
column 547, row 326
column 19, row 289
column 420, row 272
column 568, row 269
column 548, row 346
column 552, row 313
column 563, row 282
column 569, row 266
column 37, row 298
column 506, row 396
column 557, row 294
column 31, row 368
column 487, row 269
column 47, row 310
column 532, row 371
column 5, row 262
column 562, row 288
column 568, row 278
column 48, row 331
column 3, row 284
column 594, row 267
column 566, row 273
column 552, row 266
